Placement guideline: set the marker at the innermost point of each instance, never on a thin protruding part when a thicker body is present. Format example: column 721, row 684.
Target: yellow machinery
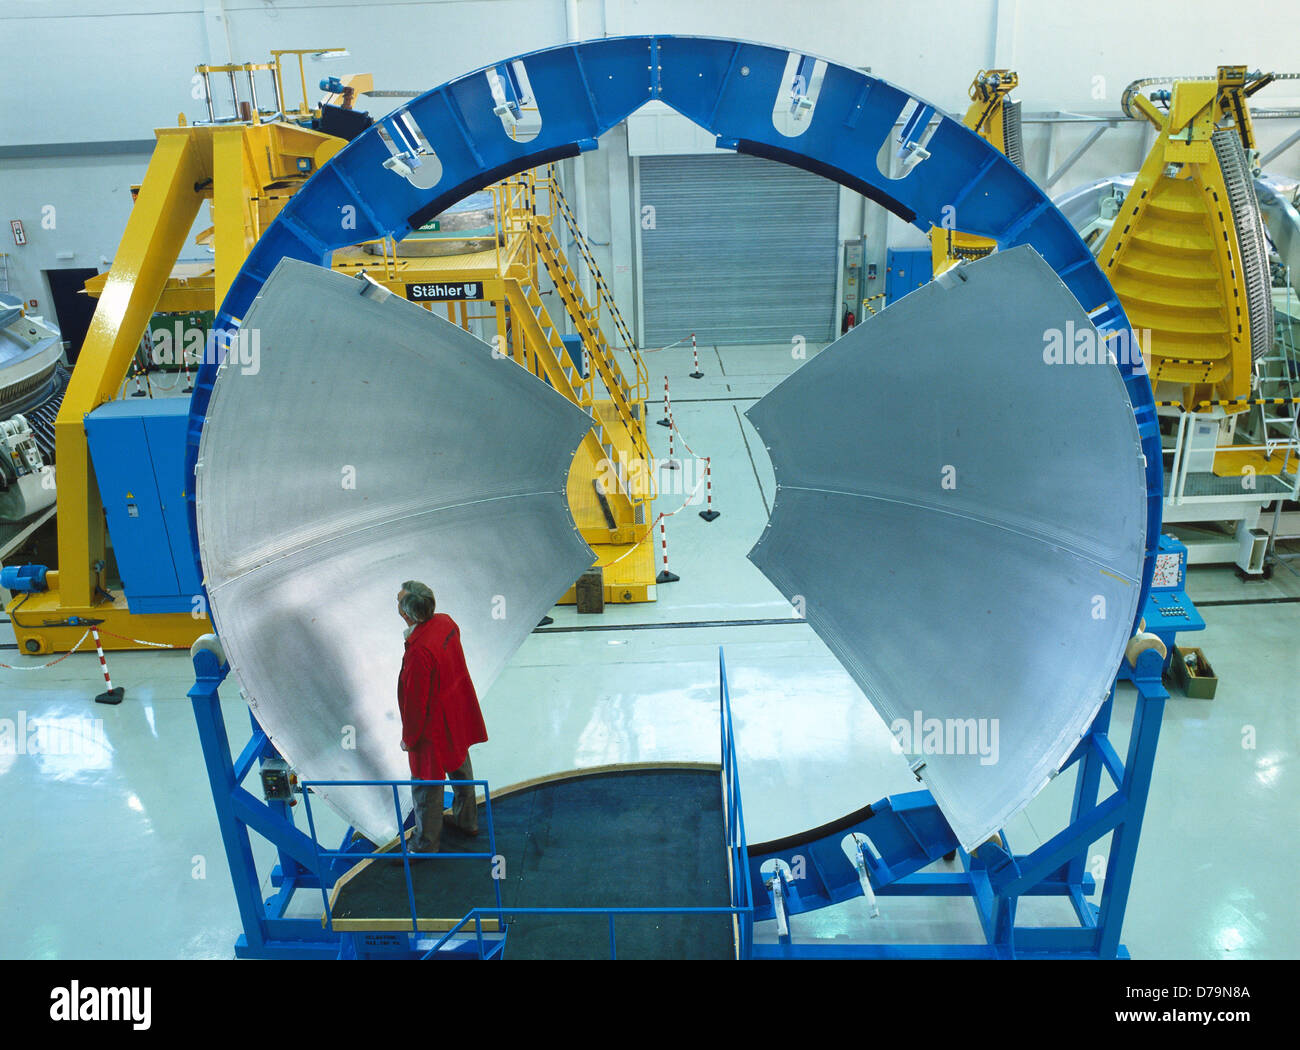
column 1186, row 253
column 611, row 485
column 996, row 119
column 247, row 168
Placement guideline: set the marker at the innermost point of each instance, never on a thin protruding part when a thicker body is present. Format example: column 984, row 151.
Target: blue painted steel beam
column 1138, row 767
column 254, row 751
column 216, row 753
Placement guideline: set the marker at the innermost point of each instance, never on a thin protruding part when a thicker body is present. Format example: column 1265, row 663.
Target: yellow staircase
column 536, row 345
column 611, row 485
column 615, row 516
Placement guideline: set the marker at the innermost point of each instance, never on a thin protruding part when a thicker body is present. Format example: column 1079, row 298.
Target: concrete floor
column 114, row 852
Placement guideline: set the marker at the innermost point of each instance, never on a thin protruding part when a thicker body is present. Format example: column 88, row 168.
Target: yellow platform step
column 1230, row 463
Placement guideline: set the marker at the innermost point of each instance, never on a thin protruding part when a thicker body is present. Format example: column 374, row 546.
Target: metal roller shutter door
column 743, row 251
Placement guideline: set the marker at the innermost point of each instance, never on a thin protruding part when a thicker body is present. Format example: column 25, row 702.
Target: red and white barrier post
column 112, row 696
column 672, row 463
column 667, row 421
column 708, row 514
column 697, row 374
column 665, row 576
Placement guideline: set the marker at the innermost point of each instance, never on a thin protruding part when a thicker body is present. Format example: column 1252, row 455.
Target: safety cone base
column 665, row 422
column 667, row 577
column 113, row 696
column 709, row 515
column 697, row 375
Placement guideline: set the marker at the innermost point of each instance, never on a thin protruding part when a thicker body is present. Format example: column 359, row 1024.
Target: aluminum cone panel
column 962, row 524
column 373, row 443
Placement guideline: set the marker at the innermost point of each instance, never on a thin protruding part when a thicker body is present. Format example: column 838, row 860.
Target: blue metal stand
column 903, row 834
column 268, row 934
column 268, row 931
column 439, row 147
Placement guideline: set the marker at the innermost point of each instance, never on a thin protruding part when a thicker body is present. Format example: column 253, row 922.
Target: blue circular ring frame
column 728, row 87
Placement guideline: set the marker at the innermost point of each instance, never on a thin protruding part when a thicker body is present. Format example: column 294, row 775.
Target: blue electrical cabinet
column 906, row 269
column 137, row 449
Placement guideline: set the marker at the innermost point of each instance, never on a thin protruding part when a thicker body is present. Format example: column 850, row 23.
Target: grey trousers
column 428, row 809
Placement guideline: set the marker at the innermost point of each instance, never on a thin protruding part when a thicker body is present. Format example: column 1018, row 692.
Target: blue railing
column 407, row 855
column 741, row 887
column 742, row 890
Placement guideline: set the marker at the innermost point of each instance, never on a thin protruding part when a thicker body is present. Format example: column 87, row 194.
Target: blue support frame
column 301, row 863
column 270, row 934
column 908, row 833
column 741, row 888
column 730, row 87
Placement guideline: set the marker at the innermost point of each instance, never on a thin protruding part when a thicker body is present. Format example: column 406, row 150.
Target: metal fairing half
column 961, row 518
column 355, row 441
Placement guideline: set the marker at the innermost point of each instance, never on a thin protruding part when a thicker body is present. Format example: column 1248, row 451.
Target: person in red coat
column 441, row 718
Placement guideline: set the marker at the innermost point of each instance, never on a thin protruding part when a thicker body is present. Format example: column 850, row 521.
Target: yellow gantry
column 248, row 170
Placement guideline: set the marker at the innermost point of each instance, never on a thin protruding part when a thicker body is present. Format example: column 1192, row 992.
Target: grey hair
column 418, row 603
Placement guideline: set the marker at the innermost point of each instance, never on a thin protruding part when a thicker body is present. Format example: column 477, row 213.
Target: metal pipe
column 777, row 888
column 1181, row 480
column 1178, row 451
column 1280, row 148
column 1079, row 151
column 865, row 881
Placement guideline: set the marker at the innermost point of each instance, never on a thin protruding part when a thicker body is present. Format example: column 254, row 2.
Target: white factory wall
column 86, row 80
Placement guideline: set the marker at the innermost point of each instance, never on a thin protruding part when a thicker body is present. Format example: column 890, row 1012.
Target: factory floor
column 114, row 851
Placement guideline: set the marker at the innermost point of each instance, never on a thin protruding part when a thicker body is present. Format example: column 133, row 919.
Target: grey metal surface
column 1252, row 250
column 1007, row 598
column 1278, row 195
column 1082, row 205
column 375, row 443
column 30, row 352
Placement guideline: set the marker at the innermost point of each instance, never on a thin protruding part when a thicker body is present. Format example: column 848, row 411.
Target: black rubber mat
column 637, row 838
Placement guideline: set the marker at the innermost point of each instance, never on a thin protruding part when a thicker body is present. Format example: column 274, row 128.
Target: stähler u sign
column 442, row 291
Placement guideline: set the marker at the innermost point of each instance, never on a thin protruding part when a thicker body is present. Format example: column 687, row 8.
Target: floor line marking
column 674, row 626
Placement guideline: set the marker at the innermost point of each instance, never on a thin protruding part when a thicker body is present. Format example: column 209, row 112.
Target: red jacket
column 441, row 718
